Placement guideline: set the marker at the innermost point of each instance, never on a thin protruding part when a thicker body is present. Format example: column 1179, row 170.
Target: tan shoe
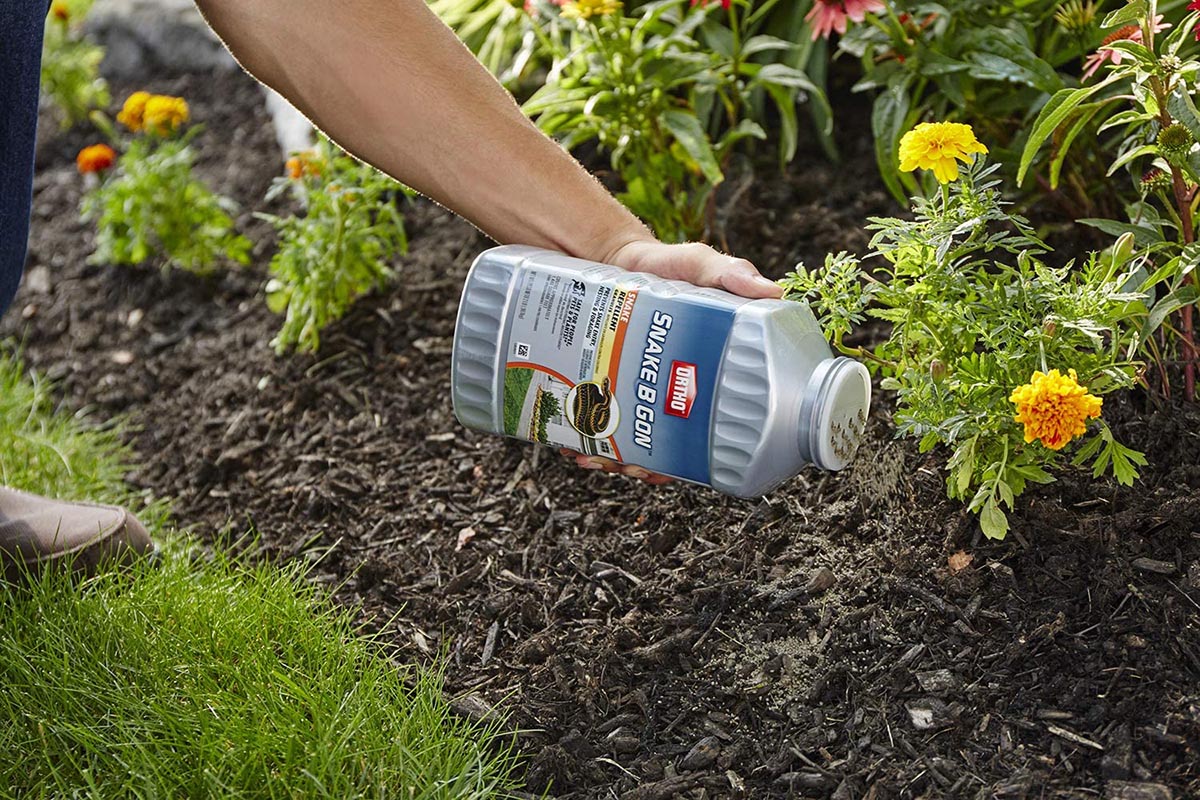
column 36, row 530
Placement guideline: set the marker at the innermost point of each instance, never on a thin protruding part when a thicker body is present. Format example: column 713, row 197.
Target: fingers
column 699, row 264
column 739, row 276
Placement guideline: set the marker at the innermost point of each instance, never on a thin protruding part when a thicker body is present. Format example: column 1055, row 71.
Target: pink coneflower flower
column 1104, row 54
column 857, row 10
column 725, row 4
column 828, row 16
column 1195, row 6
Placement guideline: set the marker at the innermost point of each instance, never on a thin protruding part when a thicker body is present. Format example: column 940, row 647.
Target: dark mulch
column 649, row 643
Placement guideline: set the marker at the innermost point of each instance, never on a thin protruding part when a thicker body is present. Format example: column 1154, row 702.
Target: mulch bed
column 648, row 643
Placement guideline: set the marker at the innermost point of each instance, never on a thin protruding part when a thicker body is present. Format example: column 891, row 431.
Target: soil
column 850, row 636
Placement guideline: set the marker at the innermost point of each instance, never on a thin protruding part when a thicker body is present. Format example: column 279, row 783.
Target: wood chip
column 1154, row 565
column 1075, row 738
column 464, row 538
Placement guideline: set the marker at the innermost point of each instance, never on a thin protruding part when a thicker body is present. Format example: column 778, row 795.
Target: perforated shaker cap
column 833, row 415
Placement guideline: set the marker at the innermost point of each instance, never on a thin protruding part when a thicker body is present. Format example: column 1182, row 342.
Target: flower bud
column 1170, row 64
column 1155, row 179
column 938, row 370
column 1076, row 16
column 1122, row 249
column 1049, row 327
column 1175, row 142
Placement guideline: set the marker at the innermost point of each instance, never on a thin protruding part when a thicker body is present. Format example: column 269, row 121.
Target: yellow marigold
column 96, row 158
column 586, row 9
column 164, row 114
column 936, row 146
column 132, row 113
column 1054, row 408
column 60, row 11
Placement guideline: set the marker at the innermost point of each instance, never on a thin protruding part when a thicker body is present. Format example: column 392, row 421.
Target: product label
column 608, row 369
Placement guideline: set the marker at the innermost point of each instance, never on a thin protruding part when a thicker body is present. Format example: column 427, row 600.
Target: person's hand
column 695, row 263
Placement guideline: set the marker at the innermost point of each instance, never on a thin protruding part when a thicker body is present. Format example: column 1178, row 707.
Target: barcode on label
column 521, row 350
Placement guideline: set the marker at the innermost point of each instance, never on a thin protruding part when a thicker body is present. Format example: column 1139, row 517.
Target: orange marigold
column 96, row 158
column 133, row 112
column 303, row 164
column 1054, row 408
column 164, row 114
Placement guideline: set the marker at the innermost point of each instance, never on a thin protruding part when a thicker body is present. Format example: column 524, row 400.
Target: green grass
column 202, row 677
column 516, row 387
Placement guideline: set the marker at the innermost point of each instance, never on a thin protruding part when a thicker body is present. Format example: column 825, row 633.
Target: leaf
column 747, row 128
column 1002, row 58
column 1183, row 109
column 1127, row 157
column 1123, row 461
column 992, row 520
column 1060, row 156
column 959, row 561
column 1133, row 12
column 788, row 128
column 687, row 131
column 1139, row 52
column 1142, row 234
column 763, row 43
column 888, row 117
column 1053, row 114
column 783, row 75
column 1183, row 296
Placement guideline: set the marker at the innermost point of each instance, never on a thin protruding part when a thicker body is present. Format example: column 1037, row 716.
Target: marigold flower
column 1195, row 6
column 936, row 146
column 131, row 114
column 827, row 16
column 304, row 164
column 1054, row 408
column 60, row 11
column 586, row 9
column 164, row 114
column 95, row 158
column 1104, row 54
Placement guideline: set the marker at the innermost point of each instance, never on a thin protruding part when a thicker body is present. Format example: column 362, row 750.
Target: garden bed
column 649, row 643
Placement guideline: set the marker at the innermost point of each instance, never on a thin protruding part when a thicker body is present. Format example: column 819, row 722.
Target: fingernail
column 637, row 472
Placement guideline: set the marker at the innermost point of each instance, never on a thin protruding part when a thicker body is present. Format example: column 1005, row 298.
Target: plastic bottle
column 694, row 383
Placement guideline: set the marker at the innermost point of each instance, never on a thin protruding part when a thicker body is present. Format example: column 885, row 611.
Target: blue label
column 610, row 368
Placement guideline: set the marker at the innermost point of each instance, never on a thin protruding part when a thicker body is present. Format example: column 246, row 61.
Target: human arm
column 391, row 84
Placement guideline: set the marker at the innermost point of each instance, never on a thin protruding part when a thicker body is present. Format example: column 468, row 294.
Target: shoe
column 35, row 531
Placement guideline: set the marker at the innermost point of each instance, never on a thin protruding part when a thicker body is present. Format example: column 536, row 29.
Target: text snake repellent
column 690, row 382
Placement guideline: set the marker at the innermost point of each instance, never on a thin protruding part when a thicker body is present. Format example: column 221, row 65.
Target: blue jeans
column 21, row 29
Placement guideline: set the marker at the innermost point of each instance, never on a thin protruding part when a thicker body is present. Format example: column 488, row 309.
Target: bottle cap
column 833, row 415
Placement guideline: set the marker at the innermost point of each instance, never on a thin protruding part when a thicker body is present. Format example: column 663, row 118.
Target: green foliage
column 338, row 249
column 153, row 206
column 978, row 61
column 994, row 66
column 1147, row 104
column 667, row 94
column 499, row 32
column 975, row 311
column 71, row 63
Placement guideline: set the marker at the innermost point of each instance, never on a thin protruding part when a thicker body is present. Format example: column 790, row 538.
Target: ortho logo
column 681, row 391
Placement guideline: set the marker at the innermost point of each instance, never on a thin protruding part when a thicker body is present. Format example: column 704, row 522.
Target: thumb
column 739, row 276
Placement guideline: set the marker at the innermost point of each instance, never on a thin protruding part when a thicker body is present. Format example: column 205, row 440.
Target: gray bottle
column 690, row 382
